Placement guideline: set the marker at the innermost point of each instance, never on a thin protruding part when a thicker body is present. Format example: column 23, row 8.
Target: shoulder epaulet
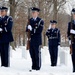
column 57, row 29
column 40, row 18
column 9, row 18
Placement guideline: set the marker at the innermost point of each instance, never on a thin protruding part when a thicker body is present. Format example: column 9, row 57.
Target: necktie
column 74, row 21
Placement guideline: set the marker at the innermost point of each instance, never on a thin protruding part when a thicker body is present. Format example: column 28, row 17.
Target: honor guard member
column 6, row 36
column 36, row 28
column 71, row 37
column 53, row 35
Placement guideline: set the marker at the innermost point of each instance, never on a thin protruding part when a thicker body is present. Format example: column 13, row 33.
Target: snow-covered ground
column 21, row 63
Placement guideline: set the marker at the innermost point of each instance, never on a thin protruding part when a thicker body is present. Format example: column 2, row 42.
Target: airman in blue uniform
column 6, row 37
column 36, row 28
column 53, row 35
column 71, row 37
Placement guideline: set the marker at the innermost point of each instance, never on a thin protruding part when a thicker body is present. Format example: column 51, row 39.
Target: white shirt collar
column 34, row 18
column 3, row 16
column 0, row 16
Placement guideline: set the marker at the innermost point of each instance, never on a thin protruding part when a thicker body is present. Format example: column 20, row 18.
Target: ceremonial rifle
column 71, row 34
column 28, row 32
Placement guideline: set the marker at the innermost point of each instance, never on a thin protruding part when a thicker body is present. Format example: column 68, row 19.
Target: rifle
column 71, row 35
column 28, row 33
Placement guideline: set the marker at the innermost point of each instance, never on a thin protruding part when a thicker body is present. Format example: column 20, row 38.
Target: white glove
column 1, row 29
column 72, row 31
column 69, row 42
column 59, row 47
column 29, row 27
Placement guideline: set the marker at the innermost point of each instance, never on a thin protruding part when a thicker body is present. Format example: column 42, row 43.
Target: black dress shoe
column 6, row 65
column 52, row 65
column 37, row 69
column 73, row 71
column 33, row 68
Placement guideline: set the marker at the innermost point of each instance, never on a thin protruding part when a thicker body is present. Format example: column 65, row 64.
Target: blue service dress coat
column 36, row 33
column 6, row 33
column 53, row 36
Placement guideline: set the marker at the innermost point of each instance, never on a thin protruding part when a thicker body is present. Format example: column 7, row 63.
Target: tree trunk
column 55, row 9
column 12, row 13
column 19, row 40
column 23, row 39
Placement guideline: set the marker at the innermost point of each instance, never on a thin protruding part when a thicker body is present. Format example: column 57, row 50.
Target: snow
column 20, row 63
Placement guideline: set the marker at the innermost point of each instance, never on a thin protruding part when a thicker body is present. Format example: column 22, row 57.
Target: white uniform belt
column 52, row 37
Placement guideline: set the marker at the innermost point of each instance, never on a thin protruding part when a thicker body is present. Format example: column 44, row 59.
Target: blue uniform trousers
column 4, row 54
column 53, row 50
column 35, row 53
column 73, row 57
